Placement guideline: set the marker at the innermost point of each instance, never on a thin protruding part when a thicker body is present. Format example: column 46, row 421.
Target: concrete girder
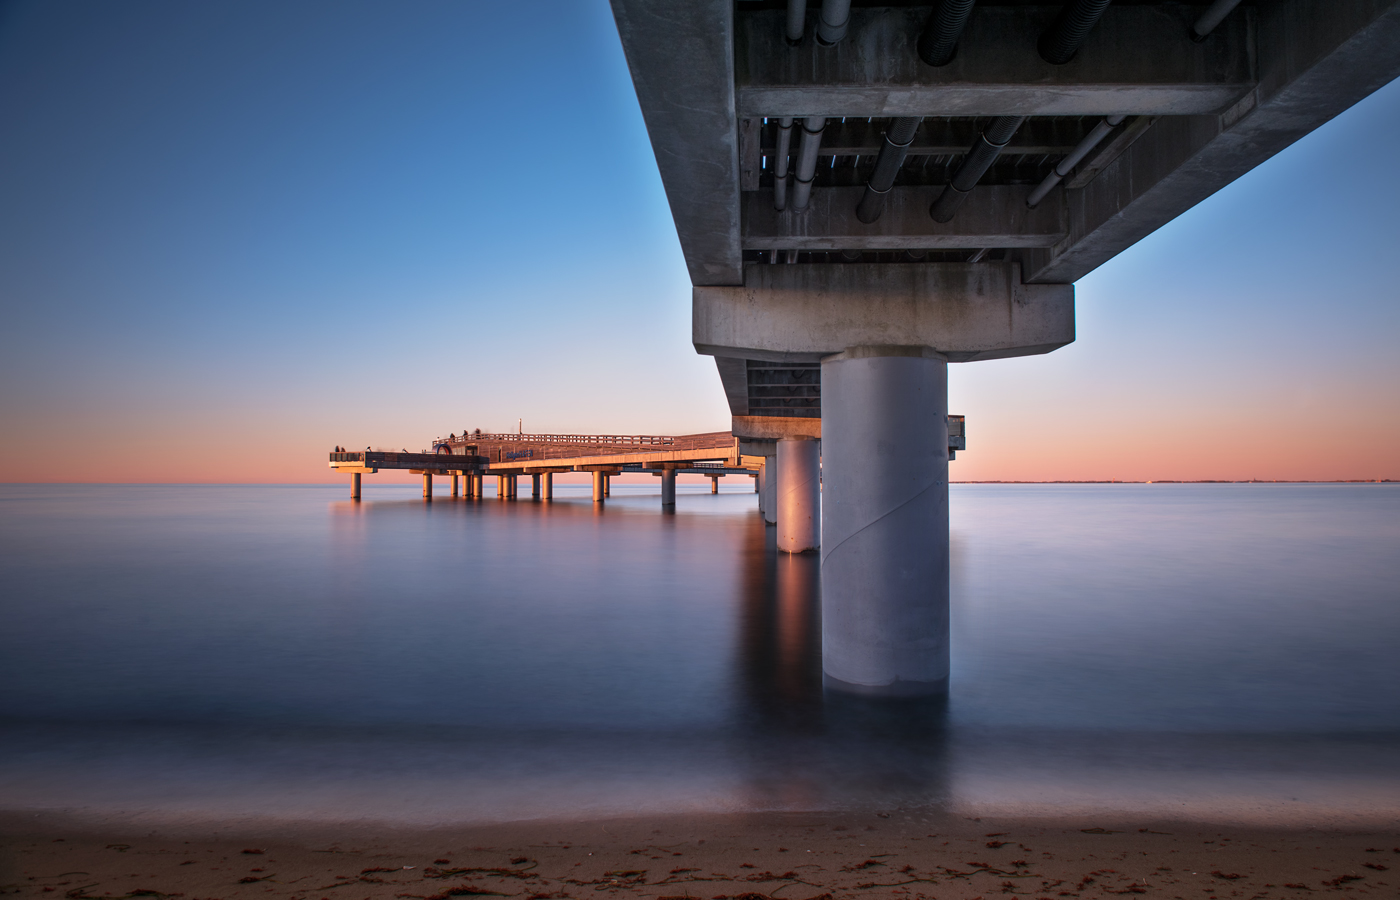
column 995, row 216
column 682, row 65
column 1137, row 59
column 776, row 428
column 964, row 311
column 1315, row 61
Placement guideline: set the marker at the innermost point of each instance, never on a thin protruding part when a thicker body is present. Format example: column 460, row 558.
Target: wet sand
column 748, row 857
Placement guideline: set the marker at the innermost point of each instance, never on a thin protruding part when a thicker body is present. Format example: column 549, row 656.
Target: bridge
column 471, row 458
column 868, row 192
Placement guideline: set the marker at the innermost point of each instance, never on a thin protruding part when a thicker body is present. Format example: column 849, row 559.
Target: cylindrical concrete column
column 668, row 487
column 597, row 487
column 427, row 486
column 454, row 486
column 755, row 483
column 714, row 484
column 354, row 485
column 534, row 485
column 479, row 485
column 799, row 495
column 884, row 534
column 547, row 486
column 770, row 490
column 500, row 487
column 607, row 484
column 512, row 485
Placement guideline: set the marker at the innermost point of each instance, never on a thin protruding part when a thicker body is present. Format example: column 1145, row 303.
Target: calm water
column 1215, row 651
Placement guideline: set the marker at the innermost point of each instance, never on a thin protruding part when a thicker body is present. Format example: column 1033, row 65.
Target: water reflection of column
column 780, row 634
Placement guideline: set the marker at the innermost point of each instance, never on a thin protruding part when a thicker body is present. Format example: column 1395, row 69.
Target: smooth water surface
column 1216, row 651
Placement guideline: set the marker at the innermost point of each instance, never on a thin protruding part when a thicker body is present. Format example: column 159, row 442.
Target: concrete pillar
column 607, row 484
column 799, row 495
column 512, row 485
column 714, row 484
column 469, row 486
column 354, row 485
column 668, row 488
column 479, row 485
column 884, row 532
column 755, row 483
column 758, row 480
column 598, row 489
column 427, row 486
column 547, row 486
column 454, row 486
column 770, row 490
column 500, row 487
column 534, row 485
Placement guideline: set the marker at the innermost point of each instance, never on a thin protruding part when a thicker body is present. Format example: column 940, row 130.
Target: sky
column 233, row 235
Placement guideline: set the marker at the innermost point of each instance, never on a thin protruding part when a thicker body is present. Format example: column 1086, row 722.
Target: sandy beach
column 750, row 857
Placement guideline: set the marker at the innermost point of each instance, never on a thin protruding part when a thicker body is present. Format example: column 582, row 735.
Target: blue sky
column 284, row 226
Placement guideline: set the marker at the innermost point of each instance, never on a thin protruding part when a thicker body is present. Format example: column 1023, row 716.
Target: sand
column 748, row 857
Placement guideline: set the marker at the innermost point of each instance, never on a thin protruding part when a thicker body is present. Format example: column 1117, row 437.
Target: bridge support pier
column 427, row 486
column 454, row 486
column 607, row 484
column 884, row 532
column 770, row 490
column 599, row 480
column 668, row 488
column 798, row 495
column 535, row 486
column 714, row 484
column 546, row 485
column 500, row 487
column 512, row 485
column 354, row 485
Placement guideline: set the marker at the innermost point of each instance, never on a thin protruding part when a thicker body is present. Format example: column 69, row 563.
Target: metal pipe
column 796, row 21
column 1211, row 18
column 780, row 163
column 898, row 137
column 938, row 43
column 1081, row 150
column 832, row 22
column 975, row 164
column 1061, row 40
column 806, row 169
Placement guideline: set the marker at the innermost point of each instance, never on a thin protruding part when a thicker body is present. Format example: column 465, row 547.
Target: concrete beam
column 994, row 216
column 776, row 428
column 682, row 65
column 965, row 311
column 1137, row 59
column 1315, row 60
column 734, row 377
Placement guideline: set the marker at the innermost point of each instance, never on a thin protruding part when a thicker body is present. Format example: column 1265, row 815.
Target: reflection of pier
column 468, row 460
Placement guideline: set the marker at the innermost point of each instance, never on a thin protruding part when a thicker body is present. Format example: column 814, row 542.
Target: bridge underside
column 868, row 192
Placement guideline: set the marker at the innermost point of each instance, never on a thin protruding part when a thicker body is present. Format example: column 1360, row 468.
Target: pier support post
column 607, row 484
column 512, row 485
column 755, row 483
column 598, row 490
column 535, row 486
column 714, row 484
column 668, row 488
column 478, row 485
column 798, row 495
column 454, row 486
column 500, row 487
column 884, row 531
column 547, row 486
column 427, row 486
column 770, row 490
column 354, row 485
column 759, row 477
